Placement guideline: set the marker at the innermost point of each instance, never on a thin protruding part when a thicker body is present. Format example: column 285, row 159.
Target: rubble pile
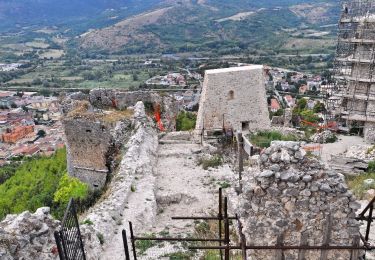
column 362, row 152
column 323, row 137
column 295, row 198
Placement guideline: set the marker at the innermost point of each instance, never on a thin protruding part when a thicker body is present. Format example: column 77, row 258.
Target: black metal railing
column 68, row 238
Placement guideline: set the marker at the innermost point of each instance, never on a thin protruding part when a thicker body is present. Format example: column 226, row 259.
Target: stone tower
column 233, row 98
column 354, row 66
column 93, row 140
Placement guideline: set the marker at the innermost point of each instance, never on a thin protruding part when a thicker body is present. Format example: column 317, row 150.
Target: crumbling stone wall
column 294, row 197
column 92, row 145
column 235, row 95
column 140, row 159
column 109, row 98
column 28, row 236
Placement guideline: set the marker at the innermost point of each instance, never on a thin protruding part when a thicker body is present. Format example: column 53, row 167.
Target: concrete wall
column 235, row 95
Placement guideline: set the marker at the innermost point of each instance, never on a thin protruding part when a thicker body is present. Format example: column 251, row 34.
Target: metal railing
column 68, row 238
column 225, row 245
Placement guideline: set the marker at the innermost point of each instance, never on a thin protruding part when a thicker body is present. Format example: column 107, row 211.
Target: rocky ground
column 342, row 144
column 178, row 187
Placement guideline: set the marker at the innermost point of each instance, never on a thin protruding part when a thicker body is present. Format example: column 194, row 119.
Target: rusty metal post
column 132, row 240
column 220, row 217
column 226, row 230
column 369, row 220
column 242, row 239
column 240, row 159
column 125, row 241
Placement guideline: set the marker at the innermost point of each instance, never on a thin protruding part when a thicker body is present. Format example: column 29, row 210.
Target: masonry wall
column 294, row 198
column 91, row 147
column 235, row 97
column 107, row 98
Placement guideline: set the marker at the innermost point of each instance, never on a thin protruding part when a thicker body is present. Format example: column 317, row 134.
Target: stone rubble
column 292, row 195
column 28, row 236
column 322, row 137
column 363, row 152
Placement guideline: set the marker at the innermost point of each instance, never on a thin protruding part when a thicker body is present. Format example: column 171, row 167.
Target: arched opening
column 231, row 95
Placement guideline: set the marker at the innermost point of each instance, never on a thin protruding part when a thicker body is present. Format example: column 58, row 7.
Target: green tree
column 33, row 184
column 310, row 116
column 70, row 187
column 185, row 121
column 41, row 133
column 319, row 107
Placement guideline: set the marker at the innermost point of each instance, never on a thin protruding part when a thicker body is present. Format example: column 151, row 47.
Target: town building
column 290, row 101
column 275, row 106
column 16, row 134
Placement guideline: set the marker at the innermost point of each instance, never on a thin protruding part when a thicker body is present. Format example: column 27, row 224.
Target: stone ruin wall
column 28, row 236
column 31, row 235
column 294, row 197
column 140, row 159
column 92, row 146
column 107, row 98
column 369, row 132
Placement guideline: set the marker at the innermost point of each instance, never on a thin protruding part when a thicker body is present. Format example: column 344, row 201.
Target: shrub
column 144, row 245
column 185, row 121
column 33, row 185
column 371, row 166
column 331, row 139
column 356, row 184
column 100, row 237
column 87, row 222
column 212, row 162
column 70, row 187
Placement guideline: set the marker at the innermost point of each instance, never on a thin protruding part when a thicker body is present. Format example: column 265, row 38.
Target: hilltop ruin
column 97, row 126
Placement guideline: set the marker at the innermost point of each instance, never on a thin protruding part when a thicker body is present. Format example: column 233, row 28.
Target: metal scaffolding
column 354, row 64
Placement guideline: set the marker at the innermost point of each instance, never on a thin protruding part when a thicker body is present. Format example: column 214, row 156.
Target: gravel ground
column 178, row 187
column 343, row 143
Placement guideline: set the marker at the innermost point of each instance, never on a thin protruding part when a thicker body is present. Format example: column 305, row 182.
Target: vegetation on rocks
column 357, row 185
column 211, row 162
column 143, row 245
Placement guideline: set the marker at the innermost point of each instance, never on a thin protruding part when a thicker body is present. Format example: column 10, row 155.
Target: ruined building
column 97, row 126
column 233, row 98
column 354, row 66
column 93, row 140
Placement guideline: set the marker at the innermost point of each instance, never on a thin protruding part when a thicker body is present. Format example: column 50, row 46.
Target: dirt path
column 179, row 187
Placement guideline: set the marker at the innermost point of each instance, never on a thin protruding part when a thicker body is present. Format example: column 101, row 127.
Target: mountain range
column 143, row 26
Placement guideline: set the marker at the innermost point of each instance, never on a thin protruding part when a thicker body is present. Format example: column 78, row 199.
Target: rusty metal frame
column 224, row 241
